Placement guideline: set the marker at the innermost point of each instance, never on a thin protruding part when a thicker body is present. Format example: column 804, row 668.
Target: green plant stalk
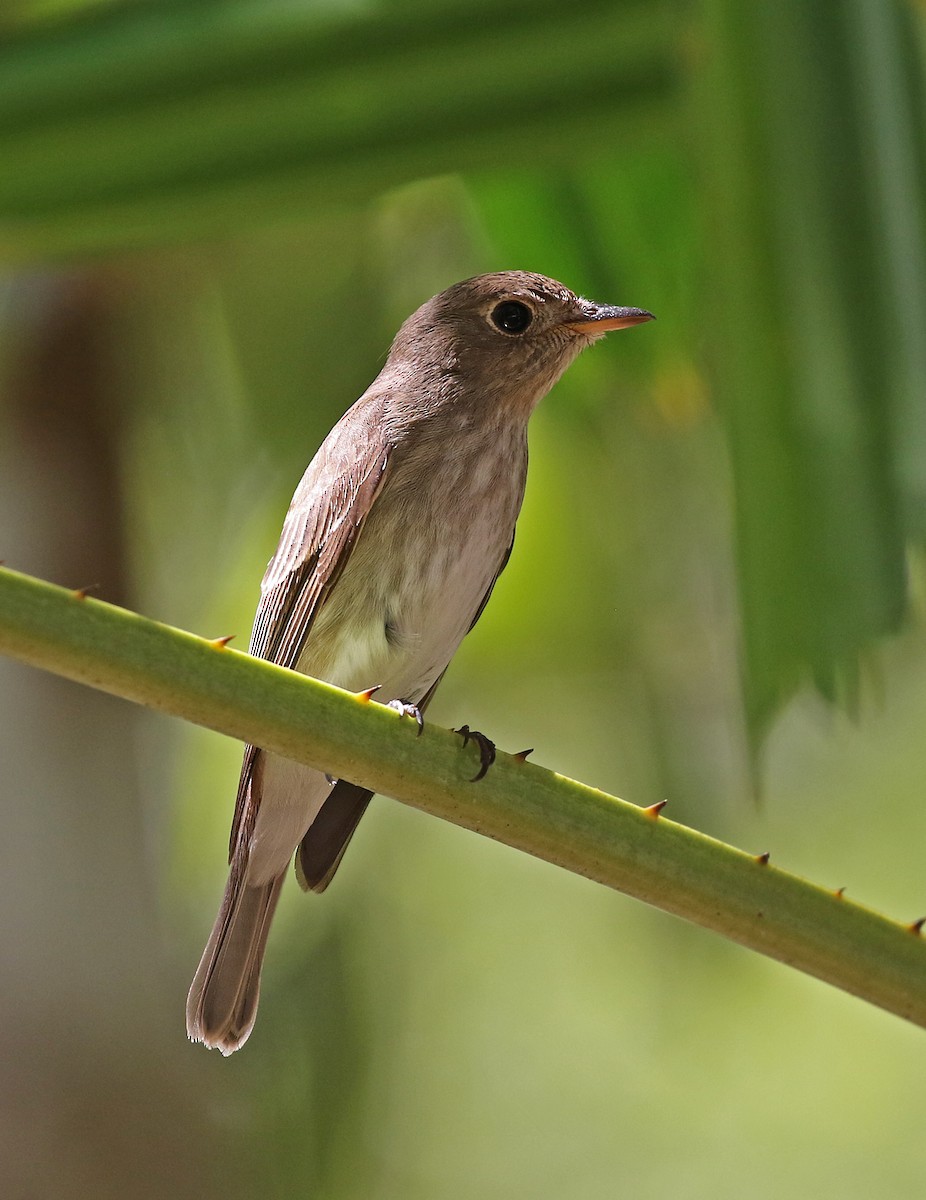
column 525, row 806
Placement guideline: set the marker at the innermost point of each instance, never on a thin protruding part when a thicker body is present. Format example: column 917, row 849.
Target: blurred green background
column 213, row 217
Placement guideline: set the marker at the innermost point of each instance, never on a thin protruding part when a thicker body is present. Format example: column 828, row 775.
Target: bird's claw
column 408, row 710
column 486, row 749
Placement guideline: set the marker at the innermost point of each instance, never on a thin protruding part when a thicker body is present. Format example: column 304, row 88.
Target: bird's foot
column 486, row 749
column 408, row 710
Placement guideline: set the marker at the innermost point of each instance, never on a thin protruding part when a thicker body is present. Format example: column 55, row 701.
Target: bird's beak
column 603, row 318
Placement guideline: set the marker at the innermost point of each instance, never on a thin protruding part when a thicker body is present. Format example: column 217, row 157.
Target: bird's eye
column 511, row 316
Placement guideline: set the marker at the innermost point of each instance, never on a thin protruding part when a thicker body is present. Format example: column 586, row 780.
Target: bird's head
column 503, row 338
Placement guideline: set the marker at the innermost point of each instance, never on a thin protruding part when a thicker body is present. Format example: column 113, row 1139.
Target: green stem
column 525, row 806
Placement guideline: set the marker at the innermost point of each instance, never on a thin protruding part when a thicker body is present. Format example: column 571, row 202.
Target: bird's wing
column 485, row 599
column 321, row 528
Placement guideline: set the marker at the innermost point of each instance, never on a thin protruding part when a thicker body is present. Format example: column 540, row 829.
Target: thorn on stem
column 81, row 593
column 366, row 696
column 917, row 926
column 839, row 893
column 655, row 809
column 762, row 859
column 521, row 755
column 222, row 642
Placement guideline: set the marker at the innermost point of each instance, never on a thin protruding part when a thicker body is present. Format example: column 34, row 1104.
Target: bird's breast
column 428, row 553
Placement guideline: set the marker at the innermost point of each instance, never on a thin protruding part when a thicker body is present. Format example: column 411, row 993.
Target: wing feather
column 320, row 531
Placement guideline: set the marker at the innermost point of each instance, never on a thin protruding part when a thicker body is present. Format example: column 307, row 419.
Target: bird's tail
column 222, row 1003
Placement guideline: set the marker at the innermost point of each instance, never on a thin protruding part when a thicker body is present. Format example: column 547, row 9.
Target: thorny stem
column 635, row 850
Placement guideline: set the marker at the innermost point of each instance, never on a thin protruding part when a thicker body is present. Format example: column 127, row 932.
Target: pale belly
column 415, row 581
column 400, row 628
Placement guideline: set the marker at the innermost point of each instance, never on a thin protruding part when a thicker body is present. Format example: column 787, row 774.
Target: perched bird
column 393, row 542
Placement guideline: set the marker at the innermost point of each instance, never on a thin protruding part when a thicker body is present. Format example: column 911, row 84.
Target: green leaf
column 157, row 122
column 802, row 323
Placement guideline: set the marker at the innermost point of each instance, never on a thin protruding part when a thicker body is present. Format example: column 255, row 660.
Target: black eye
column 511, row 316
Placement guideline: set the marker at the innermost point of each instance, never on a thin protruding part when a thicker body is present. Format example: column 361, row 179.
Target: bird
column 393, row 542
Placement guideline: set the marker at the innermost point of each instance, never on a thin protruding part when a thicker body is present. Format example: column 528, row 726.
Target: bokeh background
column 213, row 216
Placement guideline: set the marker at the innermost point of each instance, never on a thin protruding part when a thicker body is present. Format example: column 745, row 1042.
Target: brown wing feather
column 321, row 528
column 485, row 599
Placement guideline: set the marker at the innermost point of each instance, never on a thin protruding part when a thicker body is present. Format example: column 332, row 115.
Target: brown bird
column 393, row 542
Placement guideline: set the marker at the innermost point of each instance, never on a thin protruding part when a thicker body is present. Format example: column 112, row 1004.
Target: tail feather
column 322, row 848
column 222, row 1003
